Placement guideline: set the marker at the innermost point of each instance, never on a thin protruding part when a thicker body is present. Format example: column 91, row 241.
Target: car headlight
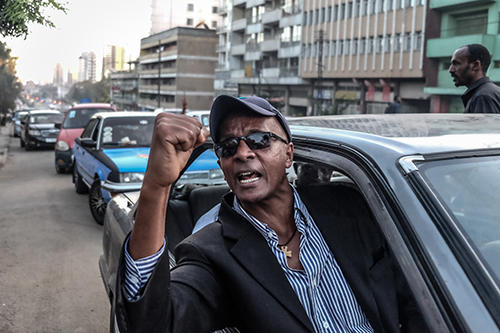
column 215, row 174
column 131, row 177
column 62, row 145
column 33, row 132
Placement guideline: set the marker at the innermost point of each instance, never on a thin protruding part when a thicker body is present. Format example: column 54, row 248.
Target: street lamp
column 159, row 49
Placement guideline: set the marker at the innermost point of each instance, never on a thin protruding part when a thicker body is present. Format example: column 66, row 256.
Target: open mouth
column 248, row 177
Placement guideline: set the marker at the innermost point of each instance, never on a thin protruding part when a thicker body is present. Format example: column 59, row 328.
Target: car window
column 469, row 189
column 127, row 132
column 78, row 118
column 87, row 132
column 204, row 170
column 46, row 118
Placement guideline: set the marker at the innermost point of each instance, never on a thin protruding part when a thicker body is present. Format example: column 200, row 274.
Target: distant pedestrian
column 469, row 65
column 394, row 107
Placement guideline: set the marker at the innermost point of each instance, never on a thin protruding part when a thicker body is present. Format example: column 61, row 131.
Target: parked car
column 431, row 182
column 111, row 157
column 72, row 127
column 39, row 128
column 16, row 121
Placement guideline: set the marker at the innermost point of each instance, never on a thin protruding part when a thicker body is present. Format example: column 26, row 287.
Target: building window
column 311, row 17
column 316, row 16
column 349, row 10
column 323, row 16
column 471, row 23
column 372, row 6
column 417, row 41
column 388, row 5
column 190, row 7
column 296, row 33
column 189, row 21
column 335, row 15
column 364, row 7
column 397, row 42
column 407, row 42
column 286, row 34
column 356, row 9
column 378, row 45
column 214, row 10
column 354, row 46
column 342, row 12
column 326, row 48
column 333, row 47
column 214, row 24
column 369, row 47
column 329, row 14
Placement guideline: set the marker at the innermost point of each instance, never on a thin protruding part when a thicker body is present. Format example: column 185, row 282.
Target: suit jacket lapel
column 250, row 249
column 342, row 237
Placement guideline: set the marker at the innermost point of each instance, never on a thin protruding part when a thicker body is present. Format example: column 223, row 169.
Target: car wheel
column 96, row 202
column 80, row 186
column 59, row 169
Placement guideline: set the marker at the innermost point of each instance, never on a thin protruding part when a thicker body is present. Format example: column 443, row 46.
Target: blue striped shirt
column 321, row 287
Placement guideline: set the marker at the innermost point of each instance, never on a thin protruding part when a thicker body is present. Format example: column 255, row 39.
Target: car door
column 83, row 158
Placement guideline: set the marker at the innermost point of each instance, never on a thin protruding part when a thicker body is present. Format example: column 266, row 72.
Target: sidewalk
column 4, row 143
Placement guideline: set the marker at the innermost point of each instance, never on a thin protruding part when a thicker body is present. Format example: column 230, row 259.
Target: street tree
column 16, row 15
column 94, row 91
column 10, row 87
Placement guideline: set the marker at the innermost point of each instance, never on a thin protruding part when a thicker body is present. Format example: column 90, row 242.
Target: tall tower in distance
column 113, row 60
column 58, row 78
column 87, row 67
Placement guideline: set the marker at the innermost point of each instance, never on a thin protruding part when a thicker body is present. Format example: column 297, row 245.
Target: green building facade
column 461, row 22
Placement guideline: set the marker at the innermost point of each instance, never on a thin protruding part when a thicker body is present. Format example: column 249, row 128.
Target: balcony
column 221, row 48
column 270, row 45
column 153, row 57
column 238, row 2
column 272, row 16
column 238, row 74
column 289, row 50
column 270, row 72
column 254, row 3
column 252, row 56
column 448, row 4
column 222, row 10
column 153, row 88
column 238, row 49
column 444, row 47
column 221, row 29
column 238, row 25
column 289, row 71
column 289, row 20
column 254, row 28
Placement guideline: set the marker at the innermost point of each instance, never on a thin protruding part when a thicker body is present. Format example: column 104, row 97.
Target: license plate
column 50, row 140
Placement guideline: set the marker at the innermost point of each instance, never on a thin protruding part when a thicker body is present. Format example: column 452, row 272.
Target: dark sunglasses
column 257, row 140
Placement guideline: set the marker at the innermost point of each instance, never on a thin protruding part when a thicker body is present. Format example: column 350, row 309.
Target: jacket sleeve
column 186, row 299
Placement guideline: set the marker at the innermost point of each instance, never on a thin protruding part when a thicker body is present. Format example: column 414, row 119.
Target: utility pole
column 160, row 48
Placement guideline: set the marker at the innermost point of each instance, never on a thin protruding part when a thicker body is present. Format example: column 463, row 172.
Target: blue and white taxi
column 111, row 157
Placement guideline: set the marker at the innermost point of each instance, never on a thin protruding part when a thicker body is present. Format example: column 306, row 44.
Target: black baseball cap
column 224, row 104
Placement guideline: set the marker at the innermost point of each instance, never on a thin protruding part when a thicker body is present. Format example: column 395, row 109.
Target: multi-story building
column 58, row 79
column 113, row 60
column 462, row 22
column 177, row 69
column 125, row 87
column 167, row 14
column 259, row 51
column 87, row 67
column 359, row 54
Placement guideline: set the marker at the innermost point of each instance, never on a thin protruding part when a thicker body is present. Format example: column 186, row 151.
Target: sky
column 88, row 25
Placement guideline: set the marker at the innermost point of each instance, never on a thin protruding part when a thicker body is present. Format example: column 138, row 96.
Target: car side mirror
column 86, row 142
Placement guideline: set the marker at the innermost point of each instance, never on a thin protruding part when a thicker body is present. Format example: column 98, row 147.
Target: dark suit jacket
column 226, row 275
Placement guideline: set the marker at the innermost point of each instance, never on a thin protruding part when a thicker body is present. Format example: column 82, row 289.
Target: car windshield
column 46, row 118
column 469, row 188
column 78, row 118
column 127, row 131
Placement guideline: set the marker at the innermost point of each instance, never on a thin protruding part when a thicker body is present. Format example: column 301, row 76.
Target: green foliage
column 16, row 15
column 10, row 87
column 98, row 92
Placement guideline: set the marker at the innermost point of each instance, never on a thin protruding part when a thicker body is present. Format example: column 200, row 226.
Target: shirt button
column 326, row 325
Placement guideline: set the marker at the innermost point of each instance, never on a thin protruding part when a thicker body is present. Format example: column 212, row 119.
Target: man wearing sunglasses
column 276, row 260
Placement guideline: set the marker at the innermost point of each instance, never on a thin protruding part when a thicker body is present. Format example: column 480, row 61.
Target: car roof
column 91, row 106
column 35, row 112
column 121, row 114
column 404, row 134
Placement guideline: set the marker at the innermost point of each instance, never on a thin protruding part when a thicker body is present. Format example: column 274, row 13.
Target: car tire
column 59, row 169
column 97, row 204
column 80, row 186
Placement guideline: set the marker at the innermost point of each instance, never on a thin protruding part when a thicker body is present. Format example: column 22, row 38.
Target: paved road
column 49, row 248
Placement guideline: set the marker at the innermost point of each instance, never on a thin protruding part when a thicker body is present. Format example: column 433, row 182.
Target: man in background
column 469, row 65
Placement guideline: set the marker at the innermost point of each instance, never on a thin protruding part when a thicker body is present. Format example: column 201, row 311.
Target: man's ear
column 289, row 155
column 476, row 66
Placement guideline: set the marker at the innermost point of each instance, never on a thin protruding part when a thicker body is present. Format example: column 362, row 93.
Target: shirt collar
column 301, row 217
